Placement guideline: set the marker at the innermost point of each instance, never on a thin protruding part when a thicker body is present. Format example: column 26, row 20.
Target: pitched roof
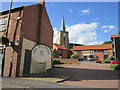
column 15, row 9
column 61, row 47
column 93, row 47
column 114, row 36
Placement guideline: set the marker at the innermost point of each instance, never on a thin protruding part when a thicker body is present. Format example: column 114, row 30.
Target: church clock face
column 41, row 53
column 64, row 34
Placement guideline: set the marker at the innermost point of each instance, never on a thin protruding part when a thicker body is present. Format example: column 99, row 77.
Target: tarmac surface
column 91, row 75
column 31, row 83
column 82, row 75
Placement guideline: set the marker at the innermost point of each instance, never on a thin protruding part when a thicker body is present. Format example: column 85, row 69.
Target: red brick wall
column 55, row 51
column 74, row 61
column 30, row 27
column 100, row 55
column 30, row 22
column 65, row 53
column 39, row 28
column 110, row 52
column 12, row 54
column 85, row 52
column 46, row 33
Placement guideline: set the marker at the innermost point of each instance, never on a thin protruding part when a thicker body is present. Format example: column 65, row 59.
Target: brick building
column 60, row 51
column 29, row 26
column 94, row 51
column 116, row 46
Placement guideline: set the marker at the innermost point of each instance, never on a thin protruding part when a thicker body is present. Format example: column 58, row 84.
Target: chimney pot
column 42, row 2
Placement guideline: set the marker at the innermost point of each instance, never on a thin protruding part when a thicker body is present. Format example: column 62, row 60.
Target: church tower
column 63, row 38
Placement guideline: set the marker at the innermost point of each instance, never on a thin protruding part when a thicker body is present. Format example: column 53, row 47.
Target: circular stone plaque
column 41, row 53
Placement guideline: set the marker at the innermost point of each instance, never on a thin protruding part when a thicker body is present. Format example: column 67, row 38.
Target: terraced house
column 89, row 52
column 60, row 51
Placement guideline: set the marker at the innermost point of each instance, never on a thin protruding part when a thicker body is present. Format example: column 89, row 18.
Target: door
column 27, row 62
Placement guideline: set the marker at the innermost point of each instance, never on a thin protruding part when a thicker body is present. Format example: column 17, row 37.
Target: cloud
column 83, row 33
column 96, row 43
column 108, row 26
column 104, row 27
column 55, row 35
column 70, row 10
column 85, row 11
column 105, row 31
column 111, row 27
column 97, row 18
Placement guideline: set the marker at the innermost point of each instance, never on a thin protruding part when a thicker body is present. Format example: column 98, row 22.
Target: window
column 60, row 52
column 3, row 23
column 92, row 51
column 105, row 52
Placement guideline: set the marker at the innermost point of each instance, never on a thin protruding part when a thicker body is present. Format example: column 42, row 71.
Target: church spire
column 62, row 25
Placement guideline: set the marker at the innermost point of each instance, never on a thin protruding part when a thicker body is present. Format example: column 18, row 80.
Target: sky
column 88, row 23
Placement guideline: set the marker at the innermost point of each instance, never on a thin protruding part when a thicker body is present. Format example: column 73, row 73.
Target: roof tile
column 93, row 47
column 114, row 36
column 61, row 47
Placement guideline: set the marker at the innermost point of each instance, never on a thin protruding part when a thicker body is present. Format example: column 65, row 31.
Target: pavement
column 15, row 83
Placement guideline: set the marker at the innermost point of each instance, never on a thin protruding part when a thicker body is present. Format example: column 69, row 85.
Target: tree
column 107, row 42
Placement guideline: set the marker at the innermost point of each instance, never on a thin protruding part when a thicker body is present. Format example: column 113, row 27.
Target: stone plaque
column 41, row 53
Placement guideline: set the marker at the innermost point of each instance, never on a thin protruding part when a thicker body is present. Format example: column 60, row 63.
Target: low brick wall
column 74, row 61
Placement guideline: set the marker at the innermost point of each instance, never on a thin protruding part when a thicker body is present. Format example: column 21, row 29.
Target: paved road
column 25, row 83
column 74, row 76
column 90, row 75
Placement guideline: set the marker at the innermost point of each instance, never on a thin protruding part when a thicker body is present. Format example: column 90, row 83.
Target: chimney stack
column 42, row 2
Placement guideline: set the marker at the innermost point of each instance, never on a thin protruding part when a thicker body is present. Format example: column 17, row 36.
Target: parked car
column 117, row 61
column 98, row 61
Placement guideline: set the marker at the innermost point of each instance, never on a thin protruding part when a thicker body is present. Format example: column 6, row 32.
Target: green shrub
column 112, row 57
column 73, row 55
column 113, row 66
column 109, row 59
column 95, row 59
column 55, row 61
column 66, row 63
